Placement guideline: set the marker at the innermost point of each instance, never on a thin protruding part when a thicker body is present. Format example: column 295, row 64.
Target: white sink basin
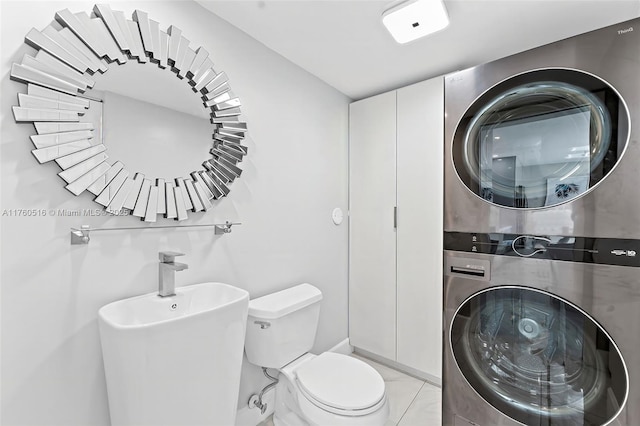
column 175, row 360
column 152, row 310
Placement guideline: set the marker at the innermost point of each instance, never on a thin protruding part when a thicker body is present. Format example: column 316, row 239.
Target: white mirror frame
column 60, row 73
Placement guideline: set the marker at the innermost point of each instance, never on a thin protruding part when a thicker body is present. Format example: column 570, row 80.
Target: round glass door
column 537, row 358
column 541, row 138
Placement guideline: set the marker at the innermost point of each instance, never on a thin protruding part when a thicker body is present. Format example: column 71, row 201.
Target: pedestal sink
column 175, row 360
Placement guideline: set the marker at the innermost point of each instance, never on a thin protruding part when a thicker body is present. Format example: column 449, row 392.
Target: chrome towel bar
column 82, row 235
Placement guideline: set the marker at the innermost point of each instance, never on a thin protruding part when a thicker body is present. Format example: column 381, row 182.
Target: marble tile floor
column 414, row 402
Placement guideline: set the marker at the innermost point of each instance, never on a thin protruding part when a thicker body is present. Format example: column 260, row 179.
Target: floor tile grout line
column 410, row 404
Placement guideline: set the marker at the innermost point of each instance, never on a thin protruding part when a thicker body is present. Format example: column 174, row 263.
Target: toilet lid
column 341, row 381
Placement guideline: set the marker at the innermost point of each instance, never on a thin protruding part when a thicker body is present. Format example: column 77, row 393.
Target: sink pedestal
column 175, row 360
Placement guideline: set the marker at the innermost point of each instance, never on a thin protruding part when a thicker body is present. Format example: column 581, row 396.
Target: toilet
column 326, row 389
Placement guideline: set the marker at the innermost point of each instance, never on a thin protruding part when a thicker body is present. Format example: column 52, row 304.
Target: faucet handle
column 169, row 256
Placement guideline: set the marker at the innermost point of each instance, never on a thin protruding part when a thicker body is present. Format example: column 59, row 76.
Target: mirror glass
column 152, row 121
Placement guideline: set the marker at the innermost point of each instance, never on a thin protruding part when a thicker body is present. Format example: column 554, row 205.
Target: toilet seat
column 341, row 384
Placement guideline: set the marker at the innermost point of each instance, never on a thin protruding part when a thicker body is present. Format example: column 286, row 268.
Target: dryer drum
column 540, row 138
column 531, row 354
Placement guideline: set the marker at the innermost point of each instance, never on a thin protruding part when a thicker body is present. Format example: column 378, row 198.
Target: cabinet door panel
column 419, row 235
column 372, row 246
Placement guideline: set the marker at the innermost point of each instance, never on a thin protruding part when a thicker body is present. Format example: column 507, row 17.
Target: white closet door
column 419, row 235
column 372, row 247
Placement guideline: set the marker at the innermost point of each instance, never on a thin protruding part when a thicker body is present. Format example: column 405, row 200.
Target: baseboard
column 436, row 381
column 251, row 416
column 342, row 348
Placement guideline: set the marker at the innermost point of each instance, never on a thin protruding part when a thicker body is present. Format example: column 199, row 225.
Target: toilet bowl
column 330, row 389
column 327, row 389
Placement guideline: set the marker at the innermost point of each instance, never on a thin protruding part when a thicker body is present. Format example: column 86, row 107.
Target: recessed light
column 413, row 19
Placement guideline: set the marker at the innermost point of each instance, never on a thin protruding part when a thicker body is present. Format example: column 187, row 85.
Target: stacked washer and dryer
column 542, row 235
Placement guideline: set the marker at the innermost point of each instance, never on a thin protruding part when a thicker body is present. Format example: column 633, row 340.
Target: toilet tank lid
column 281, row 303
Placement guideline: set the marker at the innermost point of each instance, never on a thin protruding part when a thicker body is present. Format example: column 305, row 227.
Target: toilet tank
column 282, row 326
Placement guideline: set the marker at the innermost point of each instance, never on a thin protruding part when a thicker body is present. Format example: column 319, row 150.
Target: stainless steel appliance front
column 545, row 142
column 539, row 342
column 542, row 236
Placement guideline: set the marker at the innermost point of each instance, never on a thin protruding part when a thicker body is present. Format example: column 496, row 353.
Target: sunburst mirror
column 76, row 49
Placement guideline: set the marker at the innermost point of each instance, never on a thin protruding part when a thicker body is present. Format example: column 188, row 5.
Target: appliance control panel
column 606, row 251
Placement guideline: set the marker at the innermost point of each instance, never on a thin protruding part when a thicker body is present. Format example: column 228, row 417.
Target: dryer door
column 540, row 138
column 538, row 358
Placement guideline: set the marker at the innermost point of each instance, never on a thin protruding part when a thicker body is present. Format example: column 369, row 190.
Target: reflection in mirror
column 117, row 202
column 172, row 212
column 152, row 121
column 109, row 192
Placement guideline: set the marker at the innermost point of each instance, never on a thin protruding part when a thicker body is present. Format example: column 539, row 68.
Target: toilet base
column 287, row 411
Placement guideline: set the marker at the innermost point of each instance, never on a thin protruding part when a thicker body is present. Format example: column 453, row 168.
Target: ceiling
column 344, row 43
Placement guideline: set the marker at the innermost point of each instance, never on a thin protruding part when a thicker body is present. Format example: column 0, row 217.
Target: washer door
column 537, row 358
column 541, row 138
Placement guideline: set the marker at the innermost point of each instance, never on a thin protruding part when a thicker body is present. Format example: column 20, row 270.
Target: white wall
column 295, row 175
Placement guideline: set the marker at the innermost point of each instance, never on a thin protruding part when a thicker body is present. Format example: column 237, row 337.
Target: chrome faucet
column 167, row 268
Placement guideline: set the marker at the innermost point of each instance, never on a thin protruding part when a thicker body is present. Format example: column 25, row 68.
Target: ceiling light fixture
column 413, row 19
